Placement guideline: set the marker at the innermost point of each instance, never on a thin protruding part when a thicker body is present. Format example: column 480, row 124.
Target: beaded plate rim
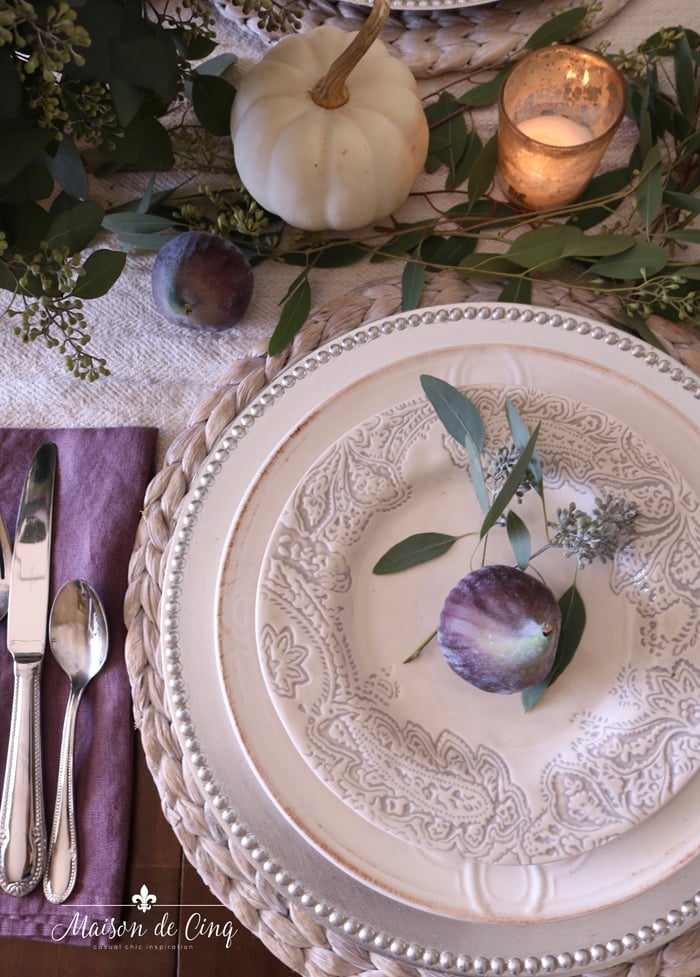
column 616, row 949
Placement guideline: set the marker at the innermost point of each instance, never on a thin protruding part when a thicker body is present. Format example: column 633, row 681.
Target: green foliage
column 573, row 623
column 624, row 238
column 87, row 80
column 511, row 471
column 91, row 83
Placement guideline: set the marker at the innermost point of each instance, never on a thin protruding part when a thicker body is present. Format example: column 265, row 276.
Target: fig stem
column 420, row 648
column 331, row 92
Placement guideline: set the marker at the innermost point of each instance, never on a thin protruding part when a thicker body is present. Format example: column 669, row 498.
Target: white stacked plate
column 432, row 822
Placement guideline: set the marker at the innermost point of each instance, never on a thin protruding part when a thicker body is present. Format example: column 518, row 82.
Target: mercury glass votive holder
column 558, row 110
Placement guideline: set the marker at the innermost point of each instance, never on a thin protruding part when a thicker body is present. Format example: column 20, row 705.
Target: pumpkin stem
column 331, row 91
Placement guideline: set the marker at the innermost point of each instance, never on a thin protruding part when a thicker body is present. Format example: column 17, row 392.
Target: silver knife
column 22, row 824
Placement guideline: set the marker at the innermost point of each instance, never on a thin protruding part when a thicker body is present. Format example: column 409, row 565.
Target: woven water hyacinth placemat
column 290, row 933
column 436, row 41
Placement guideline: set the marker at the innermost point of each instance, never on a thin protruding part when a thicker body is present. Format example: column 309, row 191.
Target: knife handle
column 22, row 825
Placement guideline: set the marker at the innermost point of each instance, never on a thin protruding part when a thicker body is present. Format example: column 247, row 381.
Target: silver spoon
column 79, row 641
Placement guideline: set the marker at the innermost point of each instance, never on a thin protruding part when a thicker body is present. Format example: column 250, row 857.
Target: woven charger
column 291, row 934
column 436, row 41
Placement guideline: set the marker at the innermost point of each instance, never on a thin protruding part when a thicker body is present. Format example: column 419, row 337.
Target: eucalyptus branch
column 508, row 472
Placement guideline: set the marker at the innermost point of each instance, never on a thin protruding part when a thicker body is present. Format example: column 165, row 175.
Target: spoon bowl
column 79, row 639
column 78, row 631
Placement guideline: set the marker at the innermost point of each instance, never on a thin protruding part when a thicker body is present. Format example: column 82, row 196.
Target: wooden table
column 156, row 861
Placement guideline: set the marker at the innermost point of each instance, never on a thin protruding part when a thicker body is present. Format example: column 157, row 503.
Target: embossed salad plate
column 397, row 799
column 439, row 765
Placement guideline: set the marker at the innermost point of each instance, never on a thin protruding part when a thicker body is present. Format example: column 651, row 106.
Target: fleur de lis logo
column 144, row 899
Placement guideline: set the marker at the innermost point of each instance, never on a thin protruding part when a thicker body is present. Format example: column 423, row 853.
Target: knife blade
column 22, row 824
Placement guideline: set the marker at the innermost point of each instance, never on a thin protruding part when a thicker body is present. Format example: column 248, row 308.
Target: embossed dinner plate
column 330, row 464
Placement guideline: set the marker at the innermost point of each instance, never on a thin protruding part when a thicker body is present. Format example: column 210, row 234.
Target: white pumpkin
column 325, row 140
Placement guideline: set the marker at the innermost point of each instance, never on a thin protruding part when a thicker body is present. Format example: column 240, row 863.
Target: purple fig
column 499, row 629
column 202, row 280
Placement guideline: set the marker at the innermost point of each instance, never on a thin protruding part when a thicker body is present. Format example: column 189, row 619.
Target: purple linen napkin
column 100, row 483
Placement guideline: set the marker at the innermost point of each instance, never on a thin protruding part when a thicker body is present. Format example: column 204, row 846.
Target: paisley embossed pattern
column 435, row 786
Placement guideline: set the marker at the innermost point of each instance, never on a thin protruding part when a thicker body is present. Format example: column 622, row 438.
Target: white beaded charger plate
column 215, row 608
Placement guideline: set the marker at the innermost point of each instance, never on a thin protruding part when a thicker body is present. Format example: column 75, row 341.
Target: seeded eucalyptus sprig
column 500, row 480
column 85, row 87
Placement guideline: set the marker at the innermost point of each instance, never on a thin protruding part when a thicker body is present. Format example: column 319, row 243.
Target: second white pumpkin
column 328, row 168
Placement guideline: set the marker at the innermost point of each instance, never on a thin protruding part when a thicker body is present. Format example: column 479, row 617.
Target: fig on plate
column 499, row 628
column 201, row 280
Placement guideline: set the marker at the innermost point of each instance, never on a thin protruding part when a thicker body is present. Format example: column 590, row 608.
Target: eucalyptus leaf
column 599, row 245
column 557, row 28
column 100, row 271
column 606, row 192
column 67, row 168
column 639, row 261
column 477, row 473
column 684, row 201
column 650, row 187
column 212, row 98
column 510, row 486
column 412, row 551
column 447, row 132
column 446, row 252
column 487, row 92
column 412, row 281
column 516, row 289
column 688, row 235
column 147, row 61
column 340, row 255
column 458, row 140
column 194, row 48
column 459, row 416
column 519, row 538
column 128, row 99
column 145, row 203
column 521, row 436
column 483, row 170
column 545, row 248
column 145, row 143
column 134, row 241
column 573, row 623
column 295, row 312
column 217, row 65
column 75, row 228
column 685, row 71
column 133, row 222
column 469, row 159
column 441, row 110
column 651, row 161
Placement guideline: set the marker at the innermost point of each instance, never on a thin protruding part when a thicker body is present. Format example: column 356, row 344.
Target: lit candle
column 558, row 109
column 555, row 130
